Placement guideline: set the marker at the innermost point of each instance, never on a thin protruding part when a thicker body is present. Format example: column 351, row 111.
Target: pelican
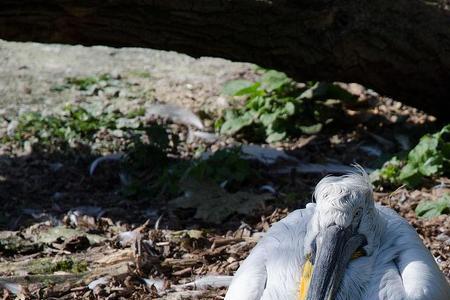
column 343, row 246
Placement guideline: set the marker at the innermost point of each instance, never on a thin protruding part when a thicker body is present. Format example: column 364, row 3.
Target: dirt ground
column 65, row 234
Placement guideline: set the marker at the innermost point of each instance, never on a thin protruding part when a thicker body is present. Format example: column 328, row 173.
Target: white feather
column 205, row 282
column 14, row 288
column 176, row 114
column 111, row 157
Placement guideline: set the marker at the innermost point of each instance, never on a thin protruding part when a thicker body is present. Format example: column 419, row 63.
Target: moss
column 84, row 83
column 48, row 266
column 138, row 112
column 138, row 73
column 13, row 245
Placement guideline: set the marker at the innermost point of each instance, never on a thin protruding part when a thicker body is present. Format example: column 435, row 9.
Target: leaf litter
column 174, row 215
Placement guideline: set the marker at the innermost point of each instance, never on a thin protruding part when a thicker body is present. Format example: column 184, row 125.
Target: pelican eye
column 360, row 252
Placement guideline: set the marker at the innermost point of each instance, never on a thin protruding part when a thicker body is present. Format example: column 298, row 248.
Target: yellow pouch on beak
column 307, row 274
column 305, row 280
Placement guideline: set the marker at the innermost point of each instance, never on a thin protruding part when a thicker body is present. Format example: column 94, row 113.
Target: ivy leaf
column 289, row 108
column 277, row 107
column 410, row 176
column 318, row 90
column 429, row 209
column 311, row 129
column 275, row 137
column 273, row 80
column 234, row 125
column 251, row 91
column 268, row 119
column 325, row 90
column 431, row 166
column 430, row 157
column 233, row 87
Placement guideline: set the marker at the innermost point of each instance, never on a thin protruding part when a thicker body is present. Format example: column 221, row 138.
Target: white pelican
column 344, row 246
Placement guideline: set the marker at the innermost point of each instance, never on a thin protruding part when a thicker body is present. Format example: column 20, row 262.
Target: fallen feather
column 266, row 155
column 157, row 283
column 209, row 281
column 383, row 141
column 270, row 156
column 12, row 127
column 125, row 178
column 126, row 238
column 14, row 288
column 305, row 168
column 185, row 295
column 41, row 216
column 176, row 114
column 158, row 221
column 98, row 161
column 204, row 136
column 371, row 150
column 55, row 167
column 268, row 188
column 101, row 280
column 89, row 210
column 223, row 184
column 74, row 215
column 404, row 141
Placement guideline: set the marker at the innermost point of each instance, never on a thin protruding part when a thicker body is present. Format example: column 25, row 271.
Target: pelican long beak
column 333, row 254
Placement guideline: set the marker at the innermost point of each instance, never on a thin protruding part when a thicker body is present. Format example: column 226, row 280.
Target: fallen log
column 399, row 48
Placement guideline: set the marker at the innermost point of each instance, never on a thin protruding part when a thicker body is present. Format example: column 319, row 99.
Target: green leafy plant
column 138, row 112
column 224, row 165
column 84, row 83
column 151, row 163
column 75, row 123
column 389, row 172
column 276, row 107
column 148, row 164
column 48, row 266
column 154, row 173
column 430, row 157
column 140, row 73
column 108, row 86
column 429, row 209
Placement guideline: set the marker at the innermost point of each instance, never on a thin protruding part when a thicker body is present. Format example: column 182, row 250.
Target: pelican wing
column 249, row 281
column 272, row 270
column 405, row 266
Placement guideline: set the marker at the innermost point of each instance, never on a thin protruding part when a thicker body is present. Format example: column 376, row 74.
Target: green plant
column 429, row 209
column 148, row 164
column 224, row 165
column 154, row 173
column 138, row 112
column 84, row 83
column 276, row 107
column 148, row 152
column 48, row 266
column 140, row 73
column 74, row 124
column 389, row 172
column 430, row 157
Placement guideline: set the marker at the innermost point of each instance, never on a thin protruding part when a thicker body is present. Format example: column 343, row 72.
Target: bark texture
column 399, row 48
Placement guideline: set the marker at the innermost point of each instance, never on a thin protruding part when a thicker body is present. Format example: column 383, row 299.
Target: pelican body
column 344, row 246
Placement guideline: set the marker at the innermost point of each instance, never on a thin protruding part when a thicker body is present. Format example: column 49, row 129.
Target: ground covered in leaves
column 140, row 174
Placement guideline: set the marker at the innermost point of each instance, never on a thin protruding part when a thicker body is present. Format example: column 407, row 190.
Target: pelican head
column 345, row 225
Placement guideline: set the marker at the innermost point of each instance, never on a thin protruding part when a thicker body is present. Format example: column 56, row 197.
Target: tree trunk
column 399, row 48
